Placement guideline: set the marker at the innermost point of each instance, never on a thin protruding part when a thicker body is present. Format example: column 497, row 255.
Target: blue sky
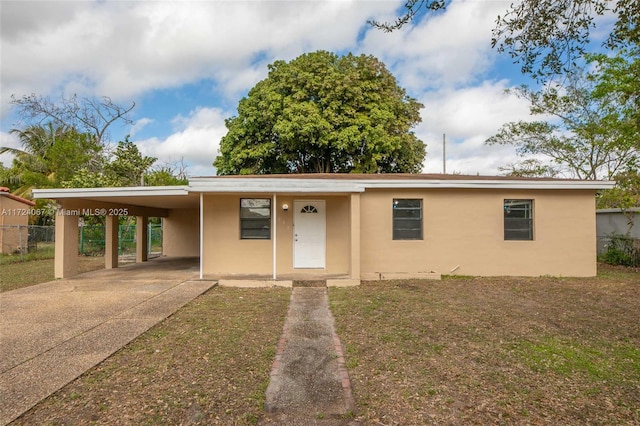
column 187, row 64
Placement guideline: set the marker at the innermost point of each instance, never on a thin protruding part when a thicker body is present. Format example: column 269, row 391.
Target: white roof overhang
column 136, row 191
column 155, row 197
column 490, row 184
column 274, row 185
column 328, row 185
column 168, row 197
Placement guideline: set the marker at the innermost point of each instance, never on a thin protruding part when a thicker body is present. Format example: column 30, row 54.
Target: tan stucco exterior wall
column 226, row 254
column 463, row 232
column 12, row 215
column 181, row 233
column 66, row 245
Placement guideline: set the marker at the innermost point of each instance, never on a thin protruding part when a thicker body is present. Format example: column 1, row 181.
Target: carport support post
column 355, row 237
column 274, row 248
column 66, row 245
column 111, row 242
column 142, row 236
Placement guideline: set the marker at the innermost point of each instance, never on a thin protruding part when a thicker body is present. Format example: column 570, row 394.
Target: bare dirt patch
column 494, row 350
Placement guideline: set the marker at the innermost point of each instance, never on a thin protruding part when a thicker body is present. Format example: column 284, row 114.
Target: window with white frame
column 518, row 220
column 407, row 219
column 255, row 218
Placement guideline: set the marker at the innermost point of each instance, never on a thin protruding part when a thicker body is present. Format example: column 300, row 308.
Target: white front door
column 309, row 234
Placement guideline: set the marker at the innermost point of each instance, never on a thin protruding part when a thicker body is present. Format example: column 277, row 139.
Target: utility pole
column 444, row 154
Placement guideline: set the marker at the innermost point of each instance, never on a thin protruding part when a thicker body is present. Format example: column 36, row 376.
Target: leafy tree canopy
column 323, row 113
column 626, row 193
column 127, row 167
column 50, row 156
column 591, row 128
column 65, row 143
column 531, row 167
column 547, row 37
column 167, row 174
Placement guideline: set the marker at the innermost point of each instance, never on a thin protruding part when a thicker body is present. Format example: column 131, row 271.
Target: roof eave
column 327, row 186
column 274, row 185
column 492, row 184
column 309, row 185
column 136, row 191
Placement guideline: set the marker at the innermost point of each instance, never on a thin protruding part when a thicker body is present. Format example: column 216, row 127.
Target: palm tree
column 50, row 155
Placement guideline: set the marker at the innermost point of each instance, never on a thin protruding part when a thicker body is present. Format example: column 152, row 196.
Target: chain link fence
column 31, row 241
column 91, row 240
column 24, row 239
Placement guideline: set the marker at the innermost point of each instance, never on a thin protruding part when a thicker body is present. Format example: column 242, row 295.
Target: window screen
column 255, row 218
column 407, row 219
column 518, row 219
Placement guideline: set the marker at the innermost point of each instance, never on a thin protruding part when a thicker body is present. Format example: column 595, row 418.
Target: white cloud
column 139, row 125
column 8, row 140
column 468, row 117
column 126, row 48
column 478, row 109
column 447, row 49
column 195, row 140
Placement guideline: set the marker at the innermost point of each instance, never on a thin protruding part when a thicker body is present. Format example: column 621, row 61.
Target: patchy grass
column 23, row 274
column 458, row 351
column 599, row 362
column 44, row 251
column 494, row 350
column 207, row 364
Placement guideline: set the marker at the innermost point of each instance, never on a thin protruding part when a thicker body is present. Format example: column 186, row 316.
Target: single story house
column 351, row 227
column 14, row 218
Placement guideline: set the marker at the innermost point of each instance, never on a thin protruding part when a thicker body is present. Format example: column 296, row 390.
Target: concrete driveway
column 53, row 332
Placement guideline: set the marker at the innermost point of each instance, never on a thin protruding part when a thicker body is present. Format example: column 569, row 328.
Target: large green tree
column 66, row 143
column 323, row 113
column 590, row 126
column 129, row 165
column 49, row 156
column 125, row 167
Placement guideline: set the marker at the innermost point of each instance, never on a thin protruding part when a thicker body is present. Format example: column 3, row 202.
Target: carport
column 204, row 220
column 167, row 202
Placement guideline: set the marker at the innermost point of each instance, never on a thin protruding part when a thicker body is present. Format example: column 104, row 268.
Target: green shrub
column 622, row 250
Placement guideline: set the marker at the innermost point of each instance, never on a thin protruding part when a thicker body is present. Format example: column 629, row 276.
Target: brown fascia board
column 4, row 192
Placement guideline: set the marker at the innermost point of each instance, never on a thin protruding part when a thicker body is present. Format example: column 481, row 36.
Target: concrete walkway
column 309, row 382
column 51, row 333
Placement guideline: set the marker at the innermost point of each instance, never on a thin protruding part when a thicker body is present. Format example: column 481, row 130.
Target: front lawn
column 494, row 350
column 458, row 351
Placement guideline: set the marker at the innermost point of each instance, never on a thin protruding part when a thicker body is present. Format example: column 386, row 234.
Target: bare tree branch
column 87, row 115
